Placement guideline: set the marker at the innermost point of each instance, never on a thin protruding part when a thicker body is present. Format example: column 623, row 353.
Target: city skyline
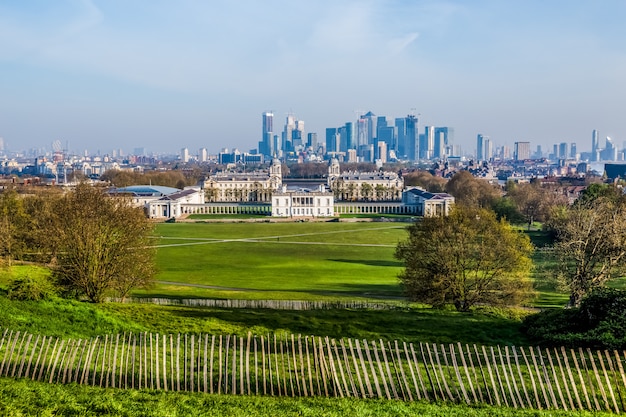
column 160, row 75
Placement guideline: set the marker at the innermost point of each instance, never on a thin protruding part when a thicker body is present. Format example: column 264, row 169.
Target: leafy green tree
column 506, row 209
column 366, row 191
column 599, row 322
column 14, row 226
column 591, row 245
column 595, row 191
column 465, row 259
column 103, row 244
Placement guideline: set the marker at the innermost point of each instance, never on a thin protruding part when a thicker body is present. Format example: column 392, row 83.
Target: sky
column 118, row 74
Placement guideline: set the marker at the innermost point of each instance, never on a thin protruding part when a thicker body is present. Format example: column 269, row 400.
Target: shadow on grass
column 374, row 291
column 395, row 264
column 406, row 324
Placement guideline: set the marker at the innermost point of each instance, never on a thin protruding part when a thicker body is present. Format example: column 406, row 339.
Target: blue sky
column 167, row 74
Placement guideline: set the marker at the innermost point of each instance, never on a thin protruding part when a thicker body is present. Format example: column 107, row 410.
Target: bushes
column 599, row 322
column 31, row 289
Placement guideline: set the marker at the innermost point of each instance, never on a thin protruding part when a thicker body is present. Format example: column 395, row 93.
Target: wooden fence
column 266, row 304
column 295, row 365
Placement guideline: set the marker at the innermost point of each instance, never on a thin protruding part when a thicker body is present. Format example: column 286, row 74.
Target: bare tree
column 591, row 245
column 472, row 192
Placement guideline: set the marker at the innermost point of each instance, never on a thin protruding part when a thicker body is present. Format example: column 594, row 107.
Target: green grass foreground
column 29, row 398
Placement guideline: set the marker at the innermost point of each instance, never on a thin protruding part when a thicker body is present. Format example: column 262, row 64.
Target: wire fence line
column 301, row 366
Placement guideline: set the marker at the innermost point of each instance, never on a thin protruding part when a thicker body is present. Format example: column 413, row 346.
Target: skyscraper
column 349, row 136
column 563, row 154
column 400, row 123
column 266, row 145
column 203, row 155
column 443, row 138
column 411, row 138
column 184, row 155
column 483, row 147
column 381, row 151
column 522, row 151
column 311, row 141
column 595, row 146
column 290, row 126
column 332, row 140
column 427, row 143
column 371, row 127
column 362, row 128
column 385, row 133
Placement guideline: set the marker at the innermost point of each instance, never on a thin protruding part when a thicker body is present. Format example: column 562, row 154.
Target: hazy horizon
column 164, row 75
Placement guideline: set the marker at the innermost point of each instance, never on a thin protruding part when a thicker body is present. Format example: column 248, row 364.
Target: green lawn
column 29, row 398
column 279, row 260
column 64, row 318
column 263, row 261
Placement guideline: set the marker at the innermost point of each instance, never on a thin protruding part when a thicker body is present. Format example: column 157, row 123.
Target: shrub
column 30, row 289
column 599, row 322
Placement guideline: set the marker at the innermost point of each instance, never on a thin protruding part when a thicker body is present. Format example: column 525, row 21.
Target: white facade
column 172, row 205
column 302, row 203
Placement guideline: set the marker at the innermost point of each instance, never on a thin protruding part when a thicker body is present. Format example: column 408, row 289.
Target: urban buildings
column 522, row 151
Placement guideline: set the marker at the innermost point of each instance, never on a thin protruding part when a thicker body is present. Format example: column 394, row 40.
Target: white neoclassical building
column 303, row 203
column 243, row 187
column 424, row 203
column 159, row 201
column 176, row 204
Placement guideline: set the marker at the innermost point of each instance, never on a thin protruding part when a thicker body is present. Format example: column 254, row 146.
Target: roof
column 428, row 195
column 145, row 190
column 178, row 195
column 368, row 176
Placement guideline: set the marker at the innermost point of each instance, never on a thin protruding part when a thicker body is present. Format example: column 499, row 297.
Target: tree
column 533, row 201
column 366, row 191
column 14, row 227
column 465, row 259
column 591, row 245
column 102, row 243
column 425, row 180
column 470, row 191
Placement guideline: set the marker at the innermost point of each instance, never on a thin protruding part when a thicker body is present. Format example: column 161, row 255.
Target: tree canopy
column 102, row 244
column 470, row 191
column 533, row 201
column 425, row 180
column 591, row 243
column 465, row 259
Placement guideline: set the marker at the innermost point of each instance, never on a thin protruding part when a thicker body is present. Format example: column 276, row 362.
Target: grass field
column 299, row 261
column 65, row 318
column 28, row 398
column 263, row 261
